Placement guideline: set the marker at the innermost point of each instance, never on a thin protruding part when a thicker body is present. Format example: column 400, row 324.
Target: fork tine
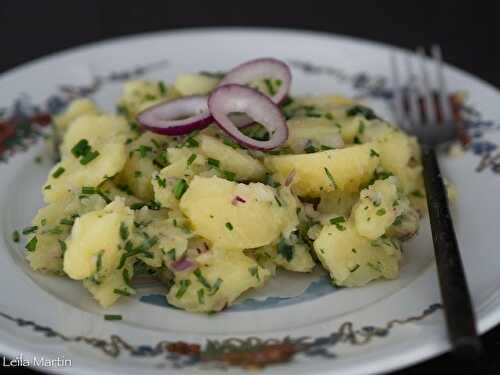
column 427, row 97
column 397, row 100
column 413, row 91
column 443, row 99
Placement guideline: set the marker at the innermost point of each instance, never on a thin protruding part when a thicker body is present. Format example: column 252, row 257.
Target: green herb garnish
column 183, row 287
column 191, row 159
column 15, row 236
column 29, row 230
column 124, row 232
column 112, row 317
column 330, row 177
column 59, row 171
column 180, row 188
column 229, row 226
column 254, row 271
column 338, row 221
column 285, row 250
column 201, row 279
column 374, row 153
column 201, row 296
column 31, row 245
column 380, row 212
column 229, row 175
column 213, row 162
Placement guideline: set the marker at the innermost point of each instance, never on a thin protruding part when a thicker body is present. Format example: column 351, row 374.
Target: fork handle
column 455, row 294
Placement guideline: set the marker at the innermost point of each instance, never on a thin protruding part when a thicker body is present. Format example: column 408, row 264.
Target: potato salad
column 212, row 182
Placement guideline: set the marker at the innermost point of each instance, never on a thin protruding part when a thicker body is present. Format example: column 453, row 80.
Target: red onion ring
column 163, row 118
column 228, row 99
column 259, row 69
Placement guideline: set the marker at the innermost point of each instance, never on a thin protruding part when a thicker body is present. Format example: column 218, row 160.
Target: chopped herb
column 81, row 148
column 191, row 142
column 191, row 159
column 59, row 171
column 125, row 189
column 366, row 112
column 89, row 157
column 137, row 174
column 354, row 251
column 62, row 245
column 31, row 245
column 374, row 153
column 29, row 230
column 112, row 317
column 126, row 277
column 201, row 296
column 338, row 221
column 383, row 175
column 380, row 212
column 329, row 116
column 123, row 258
column 310, row 149
column 355, row 268
column 122, row 292
column 356, row 140
column 418, row 194
column 144, row 150
column 180, row 188
column 162, row 182
column 229, row 175
column 277, row 201
column 270, row 87
column 98, row 263
column 330, row 177
column 324, row 148
column 56, row 231
column 398, row 220
column 67, row 221
column 89, row 190
column 48, row 187
column 15, row 236
column 163, row 89
column 138, row 205
column 285, row 250
column 216, row 286
column 361, row 127
column 254, row 271
column 201, row 279
column 161, row 160
column 374, row 267
column 229, row 226
column 171, row 253
column 213, row 162
column 183, row 287
column 124, row 232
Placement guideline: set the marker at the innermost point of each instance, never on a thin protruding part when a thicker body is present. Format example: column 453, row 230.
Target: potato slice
column 195, row 84
column 344, row 169
column 257, row 219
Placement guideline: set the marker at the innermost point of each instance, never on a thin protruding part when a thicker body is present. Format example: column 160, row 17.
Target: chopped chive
column 138, row 205
column 98, row 262
column 254, row 271
column 285, row 250
column 31, row 245
column 62, row 245
column 183, row 287
column 56, row 231
column 126, row 277
column 338, row 221
column 374, row 153
column 277, row 201
column 229, row 226
column 201, row 278
column 418, row 194
column 191, row 142
column 163, row 89
column 180, row 188
column 81, row 148
column 162, row 182
column 330, row 177
column 270, row 87
column 374, row 267
column 310, row 149
column 366, row 112
column 124, row 232
column 380, row 212
column 191, row 159
column 201, row 296
column 355, row 268
column 213, row 162
column 89, row 157
column 48, row 187
column 229, row 175
column 329, row 116
column 59, row 171
column 15, row 236
column 89, row 190
column 354, row 251
column 398, row 220
column 67, row 221
column 356, row 140
column 29, row 230
column 144, row 150
column 171, row 253
column 137, row 174
column 122, row 292
column 112, row 317
column 216, row 286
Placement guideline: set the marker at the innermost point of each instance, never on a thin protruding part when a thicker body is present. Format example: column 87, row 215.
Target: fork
column 427, row 113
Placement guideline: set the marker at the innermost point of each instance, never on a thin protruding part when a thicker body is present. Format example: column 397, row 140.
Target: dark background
column 467, row 31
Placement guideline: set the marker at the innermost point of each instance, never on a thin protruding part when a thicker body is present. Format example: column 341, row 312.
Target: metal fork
column 427, row 113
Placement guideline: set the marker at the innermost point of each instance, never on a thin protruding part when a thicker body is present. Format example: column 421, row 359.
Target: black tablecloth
column 467, row 32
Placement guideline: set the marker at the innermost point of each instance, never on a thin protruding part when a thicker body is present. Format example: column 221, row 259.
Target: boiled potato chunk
column 195, row 84
column 54, row 225
column 344, row 169
column 94, row 247
column 76, row 108
column 312, row 132
column 377, row 208
column 109, row 289
column 233, row 160
column 221, row 277
column 353, row 260
column 256, row 219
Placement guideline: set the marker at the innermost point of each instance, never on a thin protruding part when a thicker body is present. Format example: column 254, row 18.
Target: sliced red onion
column 259, row 69
column 182, row 264
column 228, row 99
column 178, row 116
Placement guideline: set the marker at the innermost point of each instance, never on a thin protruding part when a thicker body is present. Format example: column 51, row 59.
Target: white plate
column 377, row 328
